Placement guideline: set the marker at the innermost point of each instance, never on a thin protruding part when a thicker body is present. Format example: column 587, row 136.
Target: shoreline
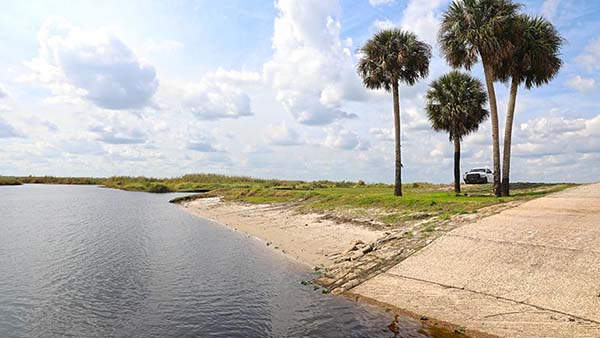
column 298, row 235
column 495, row 273
column 283, row 229
column 345, row 251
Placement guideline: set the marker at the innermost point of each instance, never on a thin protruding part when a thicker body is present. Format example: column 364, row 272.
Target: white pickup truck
column 478, row 176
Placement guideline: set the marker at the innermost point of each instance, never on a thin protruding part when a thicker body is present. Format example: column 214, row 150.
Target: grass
column 420, row 200
column 355, row 199
column 211, row 182
column 57, row 180
column 186, row 183
column 4, row 180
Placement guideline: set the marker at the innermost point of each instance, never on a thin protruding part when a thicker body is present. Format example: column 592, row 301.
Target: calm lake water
column 83, row 261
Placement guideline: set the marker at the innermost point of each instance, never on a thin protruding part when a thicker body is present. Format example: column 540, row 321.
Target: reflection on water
column 82, row 261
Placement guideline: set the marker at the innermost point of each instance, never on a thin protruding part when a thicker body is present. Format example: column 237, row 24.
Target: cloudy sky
column 265, row 89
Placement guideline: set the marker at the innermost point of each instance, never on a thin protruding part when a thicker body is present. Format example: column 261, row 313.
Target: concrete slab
column 509, row 274
column 474, row 311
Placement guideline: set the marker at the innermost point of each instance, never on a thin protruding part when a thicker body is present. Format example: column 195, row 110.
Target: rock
column 337, row 291
column 325, row 280
column 341, row 259
column 353, row 246
column 356, row 255
column 350, row 284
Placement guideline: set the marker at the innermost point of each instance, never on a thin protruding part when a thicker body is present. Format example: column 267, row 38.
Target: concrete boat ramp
column 527, row 272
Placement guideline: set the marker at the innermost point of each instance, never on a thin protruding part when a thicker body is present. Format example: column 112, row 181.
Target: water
column 83, row 261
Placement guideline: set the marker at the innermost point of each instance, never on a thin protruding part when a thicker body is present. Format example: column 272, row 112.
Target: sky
column 266, row 89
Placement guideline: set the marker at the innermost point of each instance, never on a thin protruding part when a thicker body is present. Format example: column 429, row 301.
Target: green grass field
column 9, row 181
column 420, row 200
column 355, row 199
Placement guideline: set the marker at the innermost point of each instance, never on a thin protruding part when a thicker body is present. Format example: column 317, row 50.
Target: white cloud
column 581, row 84
column 282, row 135
column 441, row 150
column 256, row 149
column 236, row 76
column 312, row 70
column 479, row 139
column 590, row 58
column 532, row 150
column 310, row 78
column 549, row 8
column 3, row 92
column 382, row 134
column 79, row 145
column 342, row 138
column 95, row 65
column 383, row 25
column 119, row 133
column 548, row 136
column 49, row 126
column 377, row 3
column 203, row 146
column 6, row 130
column 592, row 129
column 209, row 100
column 420, row 17
column 161, row 46
column 544, row 127
column 414, row 118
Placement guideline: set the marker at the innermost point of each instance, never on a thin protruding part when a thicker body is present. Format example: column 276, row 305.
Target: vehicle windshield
column 478, row 170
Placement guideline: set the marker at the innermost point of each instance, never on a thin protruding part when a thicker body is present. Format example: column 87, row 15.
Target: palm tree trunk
column 510, row 116
column 457, row 165
column 398, row 178
column 489, row 81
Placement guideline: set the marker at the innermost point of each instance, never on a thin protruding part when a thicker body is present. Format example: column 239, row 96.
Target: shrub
column 158, row 188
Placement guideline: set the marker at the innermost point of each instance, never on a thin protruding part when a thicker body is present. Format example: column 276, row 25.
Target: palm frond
column 456, row 104
column 473, row 29
column 393, row 56
column 535, row 55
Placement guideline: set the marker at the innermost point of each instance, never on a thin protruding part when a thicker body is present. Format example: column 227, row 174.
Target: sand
column 530, row 271
column 309, row 238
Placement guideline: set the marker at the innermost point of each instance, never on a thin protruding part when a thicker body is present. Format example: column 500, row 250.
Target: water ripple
column 87, row 262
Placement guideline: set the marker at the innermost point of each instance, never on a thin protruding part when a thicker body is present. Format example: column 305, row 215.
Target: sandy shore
column 310, row 238
column 530, row 271
column 348, row 254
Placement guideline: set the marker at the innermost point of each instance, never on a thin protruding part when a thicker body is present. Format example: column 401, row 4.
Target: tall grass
column 5, row 180
column 58, row 180
column 185, row 183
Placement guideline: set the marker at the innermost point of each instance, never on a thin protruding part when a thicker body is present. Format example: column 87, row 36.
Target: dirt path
column 531, row 271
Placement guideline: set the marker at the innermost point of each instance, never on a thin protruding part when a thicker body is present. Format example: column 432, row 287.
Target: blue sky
column 265, row 89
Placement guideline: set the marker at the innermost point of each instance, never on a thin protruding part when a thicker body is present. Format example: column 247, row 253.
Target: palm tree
column 534, row 61
column 479, row 29
column 456, row 104
column 389, row 57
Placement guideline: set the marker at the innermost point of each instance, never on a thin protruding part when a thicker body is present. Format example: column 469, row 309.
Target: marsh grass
column 5, row 180
column 420, row 201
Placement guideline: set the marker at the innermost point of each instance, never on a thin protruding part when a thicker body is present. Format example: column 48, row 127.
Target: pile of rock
column 361, row 261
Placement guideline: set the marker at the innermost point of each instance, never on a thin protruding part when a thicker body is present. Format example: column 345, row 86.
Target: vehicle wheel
column 485, row 180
